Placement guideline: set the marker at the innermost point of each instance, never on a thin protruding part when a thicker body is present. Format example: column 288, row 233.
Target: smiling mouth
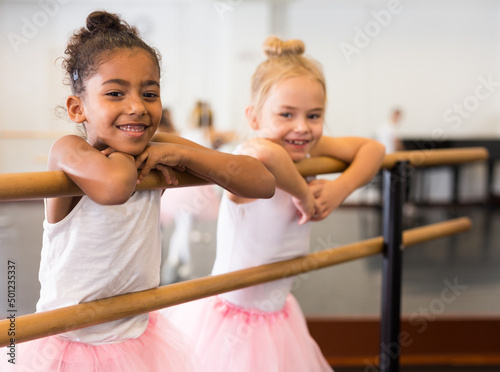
column 297, row 142
column 132, row 128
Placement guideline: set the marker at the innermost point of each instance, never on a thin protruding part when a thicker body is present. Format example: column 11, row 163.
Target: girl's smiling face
column 121, row 106
column 292, row 115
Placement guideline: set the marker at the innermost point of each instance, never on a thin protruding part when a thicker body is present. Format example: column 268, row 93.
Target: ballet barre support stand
column 394, row 183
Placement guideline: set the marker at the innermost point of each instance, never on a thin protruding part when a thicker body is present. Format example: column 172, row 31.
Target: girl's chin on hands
column 107, row 151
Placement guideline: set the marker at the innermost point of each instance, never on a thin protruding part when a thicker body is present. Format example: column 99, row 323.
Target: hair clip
column 75, row 75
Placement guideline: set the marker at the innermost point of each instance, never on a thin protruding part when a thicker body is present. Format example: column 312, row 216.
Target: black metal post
column 394, row 196
column 456, row 182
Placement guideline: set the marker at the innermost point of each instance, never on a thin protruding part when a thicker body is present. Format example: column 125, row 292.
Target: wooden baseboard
column 440, row 341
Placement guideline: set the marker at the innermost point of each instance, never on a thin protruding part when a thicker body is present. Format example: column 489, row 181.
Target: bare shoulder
column 68, row 140
column 259, row 148
column 66, row 146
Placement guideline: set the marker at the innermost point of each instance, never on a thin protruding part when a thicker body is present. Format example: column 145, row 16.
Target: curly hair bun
column 104, row 33
column 274, row 47
column 101, row 21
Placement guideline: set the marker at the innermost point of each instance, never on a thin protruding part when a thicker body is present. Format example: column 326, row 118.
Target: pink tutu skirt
column 160, row 348
column 230, row 338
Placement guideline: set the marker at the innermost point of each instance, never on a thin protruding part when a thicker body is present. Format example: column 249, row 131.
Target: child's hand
column 164, row 157
column 305, row 207
column 108, row 151
column 328, row 195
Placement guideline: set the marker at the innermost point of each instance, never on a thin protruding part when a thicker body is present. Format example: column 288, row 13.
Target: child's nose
column 137, row 106
column 301, row 125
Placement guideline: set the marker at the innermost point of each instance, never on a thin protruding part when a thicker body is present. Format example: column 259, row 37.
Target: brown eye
column 114, row 94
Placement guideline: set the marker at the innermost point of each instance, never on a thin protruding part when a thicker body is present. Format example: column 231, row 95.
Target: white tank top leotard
column 99, row 251
column 258, row 233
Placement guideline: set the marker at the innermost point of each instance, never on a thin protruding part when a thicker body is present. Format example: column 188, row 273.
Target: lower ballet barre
column 38, row 325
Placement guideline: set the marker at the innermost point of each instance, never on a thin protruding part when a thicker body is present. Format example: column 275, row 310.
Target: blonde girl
column 262, row 328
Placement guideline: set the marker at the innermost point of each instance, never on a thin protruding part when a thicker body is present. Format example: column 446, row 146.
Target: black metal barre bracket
column 394, row 183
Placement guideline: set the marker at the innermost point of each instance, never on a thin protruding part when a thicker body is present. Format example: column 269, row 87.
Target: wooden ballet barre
column 38, row 325
column 39, row 185
column 434, row 157
column 415, row 158
column 50, row 184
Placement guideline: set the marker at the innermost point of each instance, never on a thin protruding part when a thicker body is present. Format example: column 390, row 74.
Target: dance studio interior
column 435, row 62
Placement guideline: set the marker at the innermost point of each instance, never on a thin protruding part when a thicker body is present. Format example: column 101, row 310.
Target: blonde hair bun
column 275, row 47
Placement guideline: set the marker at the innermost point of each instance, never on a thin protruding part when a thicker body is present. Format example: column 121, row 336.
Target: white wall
column 192, row 39
column 429, row 57
column 424, row 56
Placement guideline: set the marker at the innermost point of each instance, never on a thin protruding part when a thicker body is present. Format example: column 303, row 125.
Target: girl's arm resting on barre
column 106, row 179
column 241, row 175
column 364, row 157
